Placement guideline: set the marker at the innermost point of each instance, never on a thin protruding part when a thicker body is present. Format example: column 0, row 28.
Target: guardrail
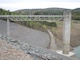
column 32, row 17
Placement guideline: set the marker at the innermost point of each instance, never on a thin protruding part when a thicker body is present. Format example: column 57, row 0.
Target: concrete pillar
column 8, row 28
column 66, row 31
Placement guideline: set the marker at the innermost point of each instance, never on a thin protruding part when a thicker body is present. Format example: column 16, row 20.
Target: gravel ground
column 25, row 34
column 8, row 52
column 35, row 53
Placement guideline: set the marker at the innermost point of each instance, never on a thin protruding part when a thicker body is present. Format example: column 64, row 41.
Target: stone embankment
column 38, row 53
column 9, row 52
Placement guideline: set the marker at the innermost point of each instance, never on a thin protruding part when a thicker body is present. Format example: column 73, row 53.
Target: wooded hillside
column 47, row 11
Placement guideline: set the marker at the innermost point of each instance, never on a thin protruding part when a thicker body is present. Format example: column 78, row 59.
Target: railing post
column 8, row 28
column 66, row 31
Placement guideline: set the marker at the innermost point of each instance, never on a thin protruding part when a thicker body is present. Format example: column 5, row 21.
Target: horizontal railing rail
column 31, row 15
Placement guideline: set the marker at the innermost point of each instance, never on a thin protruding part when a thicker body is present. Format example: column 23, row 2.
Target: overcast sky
column 30, row 4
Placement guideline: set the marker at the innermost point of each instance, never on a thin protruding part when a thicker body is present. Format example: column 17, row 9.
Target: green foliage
column 51, row 11
column 47, row 11
column 38, row 25
column 51, row 24
column 7, row 12
column 4, row 12
column 76, row 14
column 44, row 27
column 35, row 25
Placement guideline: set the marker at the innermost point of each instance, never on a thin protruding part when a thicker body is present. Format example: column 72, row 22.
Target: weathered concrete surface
column 25, row 34
column 66, row 32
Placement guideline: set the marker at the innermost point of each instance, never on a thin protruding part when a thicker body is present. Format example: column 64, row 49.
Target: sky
column 13, row 5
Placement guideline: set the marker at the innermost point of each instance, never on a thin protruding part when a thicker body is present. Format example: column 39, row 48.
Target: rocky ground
column 21, row 33
column 8, row 52
column 10, row 49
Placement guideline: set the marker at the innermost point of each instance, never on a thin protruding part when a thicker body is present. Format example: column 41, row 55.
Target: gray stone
column 38, row 53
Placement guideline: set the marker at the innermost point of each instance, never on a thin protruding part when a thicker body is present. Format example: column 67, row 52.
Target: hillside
column 76, row 14
column 47, row 11
column 50, row 11
column 77, row 10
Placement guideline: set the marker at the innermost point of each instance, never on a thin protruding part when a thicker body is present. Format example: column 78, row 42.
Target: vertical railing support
column 66, row 31
column 8, row 28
